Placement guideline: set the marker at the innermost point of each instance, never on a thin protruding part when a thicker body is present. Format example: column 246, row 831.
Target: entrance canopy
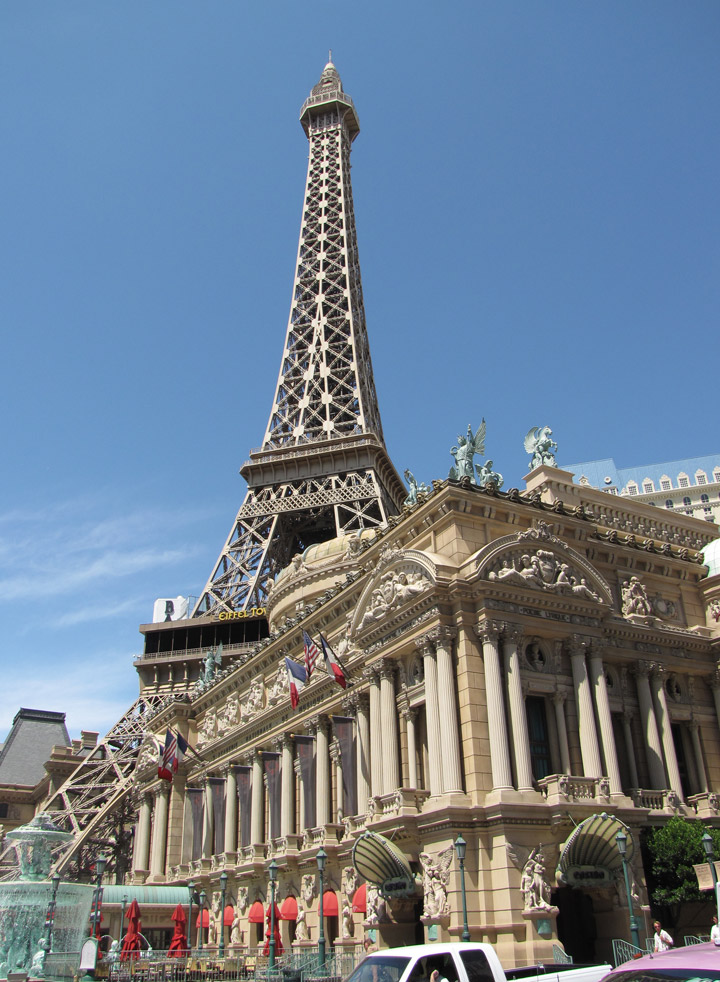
column 590, row 855
column 382, row 863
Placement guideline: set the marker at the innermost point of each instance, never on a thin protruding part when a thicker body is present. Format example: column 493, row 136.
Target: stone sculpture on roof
column 467, row 447
column 415, row 488
column 540, row 444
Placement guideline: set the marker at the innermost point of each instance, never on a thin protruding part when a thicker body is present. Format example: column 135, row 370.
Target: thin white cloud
column 94, row 612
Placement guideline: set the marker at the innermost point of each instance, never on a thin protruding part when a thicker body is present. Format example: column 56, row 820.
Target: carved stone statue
column 212, row 664
column 635, row 599
column 467, row 447
column 415, row 488
column 435, row 880
column 243, row 896
column 395, row 587
column 236, row 931
column 535, row 891
column 208, row 728
column 37, row 969
column 348, row 924
column 375, row 907
column 486, row 475
column 279, row 691
column 540, row 444
column 215, row 919
column 301, row 931
column 715, row 609
column 229, row 717
column 254, row 701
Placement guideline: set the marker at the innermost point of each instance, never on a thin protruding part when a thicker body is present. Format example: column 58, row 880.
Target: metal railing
column 623, row 952
column 691, row 939
column 560, row 956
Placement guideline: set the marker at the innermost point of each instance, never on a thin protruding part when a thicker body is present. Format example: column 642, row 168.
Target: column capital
column 488, row 629
column 315, row 724
column 442, row 635
column 641, row 669
column 714, row 680
column 513, row 632
column 579, row 644
column 409, row 713
column 349, row 703
column 388, row 669
column 559, row 697
column 372, row 674
column 424, row 644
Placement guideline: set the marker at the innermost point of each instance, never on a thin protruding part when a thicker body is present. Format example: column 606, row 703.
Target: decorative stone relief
column 436, row 873
column 148, row 756
column 667, row 609
column 714, row 609
column 535, row 656
column 396, row 586
column 375, row 907
column 254, row 699
column 635, row 599
column 280, row 689
column 229, row 717
column 208, row 728
column 533, row 886
column 542, row 571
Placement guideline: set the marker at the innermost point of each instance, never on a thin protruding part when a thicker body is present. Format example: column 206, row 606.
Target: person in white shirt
column 663, row 941
column 715, row 932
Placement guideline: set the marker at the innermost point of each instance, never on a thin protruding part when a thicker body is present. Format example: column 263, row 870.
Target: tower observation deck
column 322, row 469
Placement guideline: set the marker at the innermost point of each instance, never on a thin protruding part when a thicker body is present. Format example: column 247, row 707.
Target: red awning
column 256, row 914
column 205, row 919
column 288, row 909
column 330, row 904
column 229, row 915
column 359, row 904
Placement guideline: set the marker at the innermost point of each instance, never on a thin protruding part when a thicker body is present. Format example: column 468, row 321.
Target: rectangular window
column 684, row 482
column 632, row 489
column 540, row 760
column 3, row 809
column 701, row 478
column 648, row 487
column 665, row 485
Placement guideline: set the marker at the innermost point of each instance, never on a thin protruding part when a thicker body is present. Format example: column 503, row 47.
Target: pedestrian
column 663, row 941
column 715, row 932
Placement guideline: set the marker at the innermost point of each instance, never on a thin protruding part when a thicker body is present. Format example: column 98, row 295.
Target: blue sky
column 537, row 204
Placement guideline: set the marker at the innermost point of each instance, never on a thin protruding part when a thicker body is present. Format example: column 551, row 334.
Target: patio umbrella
column 131, row 943
column 178, row 944
column 278, row 942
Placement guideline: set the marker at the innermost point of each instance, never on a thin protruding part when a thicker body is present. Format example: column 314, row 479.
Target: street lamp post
column 223, row 888
column 460, row 847
column 51, row 910
column 710, row 853
column 100, row 864
column 191, row 893
column 271, row 947
column 621, row 839
column 321, row 860
column 122, row 916
column 202, row 914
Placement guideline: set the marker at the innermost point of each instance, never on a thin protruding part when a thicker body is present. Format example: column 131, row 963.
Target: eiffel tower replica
column 322, row 469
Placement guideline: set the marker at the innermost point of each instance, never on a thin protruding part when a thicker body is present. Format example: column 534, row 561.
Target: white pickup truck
column 461, row 962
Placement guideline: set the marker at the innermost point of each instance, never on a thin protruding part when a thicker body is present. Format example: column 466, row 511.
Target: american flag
column 172, row 755
column 312, row 653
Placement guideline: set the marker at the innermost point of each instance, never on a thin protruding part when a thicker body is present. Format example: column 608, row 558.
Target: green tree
column 673, row 849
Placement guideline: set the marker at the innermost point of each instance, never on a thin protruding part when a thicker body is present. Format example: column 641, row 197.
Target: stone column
column 322, row 766
column 451, row 774
column 599, row 684
column 664, row 726
column 363, row 752
column 698, row 754
column 376, row 736
column 559, row 704
column 589, row 747
column 208, row 832
column 257, row 803
column 159, row 836
column 432, row 714
column 410, row 716
column 630, row 747
column 300, row 795
column 488, row 632
column 714, row 683
column 388, row 715
column 231, row 810
column 653, row 747
column 287, row 802
column 337, row 782
column 142, row 836
column 512, row 634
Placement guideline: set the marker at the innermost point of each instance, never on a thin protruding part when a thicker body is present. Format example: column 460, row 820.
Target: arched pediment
column 400, row 579
column 538, row 560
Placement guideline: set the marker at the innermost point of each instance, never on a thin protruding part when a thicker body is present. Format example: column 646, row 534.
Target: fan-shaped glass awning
column 592, row 845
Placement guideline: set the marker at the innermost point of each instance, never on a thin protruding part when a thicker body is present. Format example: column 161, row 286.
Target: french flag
column 297, row 677
column 332, row 665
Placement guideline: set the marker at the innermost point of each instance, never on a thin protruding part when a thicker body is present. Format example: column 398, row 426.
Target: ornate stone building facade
column 517, row 663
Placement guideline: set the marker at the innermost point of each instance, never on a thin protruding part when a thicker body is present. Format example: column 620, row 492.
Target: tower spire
column 322, row 469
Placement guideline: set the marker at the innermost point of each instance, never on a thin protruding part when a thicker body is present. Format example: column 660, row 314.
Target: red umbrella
column 178, row 944
column 278, row 942
column 131, row 944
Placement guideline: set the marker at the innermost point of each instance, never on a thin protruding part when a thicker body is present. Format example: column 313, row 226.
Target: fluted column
column 442, row 638
column 302, row 824
column 488, row 632
column 589, row 746
column 559, row 704
column 142, row 836
column 627, row 719
column 337, row 782
column 208, row 836
column 376, row 736
column 599, row 684
column 159, row 836
column 432, row 715
column 653, row 747
column 362, row 749
column 410, row 715
column 664, row 726
column 512, row 634
column 388, row 716
column 257, row 803
column 714, row 683
column 698, row 754
column 231, row 810
column 287, row 802
column 322, row 775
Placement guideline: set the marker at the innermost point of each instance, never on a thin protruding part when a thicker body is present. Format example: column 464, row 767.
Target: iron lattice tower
column 323, row 469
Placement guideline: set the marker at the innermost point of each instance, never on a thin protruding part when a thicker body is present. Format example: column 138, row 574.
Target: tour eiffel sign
column 322, row 469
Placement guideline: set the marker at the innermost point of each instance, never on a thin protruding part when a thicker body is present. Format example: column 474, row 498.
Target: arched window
column 668, row 503
column 705, row 499
column 686, row 501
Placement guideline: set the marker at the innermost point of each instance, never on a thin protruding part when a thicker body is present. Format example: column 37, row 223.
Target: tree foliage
column 673, row 850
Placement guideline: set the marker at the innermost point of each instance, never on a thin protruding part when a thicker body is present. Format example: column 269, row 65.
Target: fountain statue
column 24, row 904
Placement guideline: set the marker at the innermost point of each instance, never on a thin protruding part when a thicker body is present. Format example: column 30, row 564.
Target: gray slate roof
column 33, row 735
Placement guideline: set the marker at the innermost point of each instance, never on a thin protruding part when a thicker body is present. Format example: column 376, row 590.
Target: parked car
column 459, row 962
column 695, row 963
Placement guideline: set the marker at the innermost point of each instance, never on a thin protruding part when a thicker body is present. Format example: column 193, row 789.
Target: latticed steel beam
column 323, row 469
